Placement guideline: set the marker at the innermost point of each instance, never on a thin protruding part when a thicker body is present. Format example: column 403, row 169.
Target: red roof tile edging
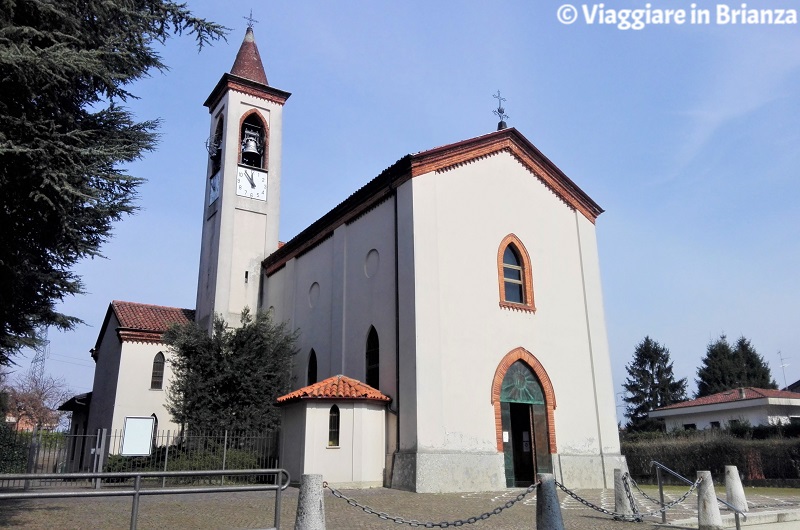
column 336, row 387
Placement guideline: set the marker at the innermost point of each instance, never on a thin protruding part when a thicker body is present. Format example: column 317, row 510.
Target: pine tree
column 725, row 367
column 232, row 378
column 650, row 384
column 64, row 70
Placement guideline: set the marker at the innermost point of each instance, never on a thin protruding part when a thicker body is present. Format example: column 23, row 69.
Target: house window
column 157, row 377
column 514, row 275
column 311, row 376
column 715, row 425
column 373, row 358
column 689, row 427
column 333, row 427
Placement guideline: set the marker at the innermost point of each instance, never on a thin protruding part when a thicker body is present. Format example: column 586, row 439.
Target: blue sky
column 687, row 135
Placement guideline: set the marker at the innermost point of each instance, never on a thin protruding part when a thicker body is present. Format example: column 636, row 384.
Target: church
column 452, row 332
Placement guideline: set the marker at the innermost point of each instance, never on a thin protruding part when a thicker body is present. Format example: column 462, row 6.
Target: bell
column 250, row 147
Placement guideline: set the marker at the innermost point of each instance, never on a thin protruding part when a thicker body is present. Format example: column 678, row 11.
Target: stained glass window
column 520, row 385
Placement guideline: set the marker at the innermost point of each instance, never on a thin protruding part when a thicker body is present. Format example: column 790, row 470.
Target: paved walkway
column 255, row 510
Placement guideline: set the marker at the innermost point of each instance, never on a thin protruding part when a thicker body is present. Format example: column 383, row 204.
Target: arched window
column 514, row 275
column 253, row 140
column 333, row 427
column 157, row 377
column 373, row 359
column 311, row 377
column 215, row 147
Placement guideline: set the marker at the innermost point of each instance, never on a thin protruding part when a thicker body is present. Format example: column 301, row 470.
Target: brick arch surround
column 521, row 354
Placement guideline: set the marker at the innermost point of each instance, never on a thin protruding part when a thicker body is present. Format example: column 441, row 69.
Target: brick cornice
column 521, row 354
column 245, row 86
column 510, row 140
column 439, row 159
column 137, row 335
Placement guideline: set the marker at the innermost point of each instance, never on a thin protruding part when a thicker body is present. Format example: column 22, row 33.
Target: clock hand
column 250, row 179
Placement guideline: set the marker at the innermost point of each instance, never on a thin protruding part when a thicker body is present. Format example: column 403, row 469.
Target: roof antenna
column 250, row 20
column 500, row 112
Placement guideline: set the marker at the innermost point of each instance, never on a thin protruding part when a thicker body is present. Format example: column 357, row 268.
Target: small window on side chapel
column 157, row 377
column 514, row 275
column 333, row 427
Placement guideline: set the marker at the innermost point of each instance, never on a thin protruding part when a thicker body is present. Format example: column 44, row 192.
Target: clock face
column 251, row 183
column 213, row 190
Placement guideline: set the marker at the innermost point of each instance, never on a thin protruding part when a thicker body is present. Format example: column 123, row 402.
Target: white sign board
column 137, row 436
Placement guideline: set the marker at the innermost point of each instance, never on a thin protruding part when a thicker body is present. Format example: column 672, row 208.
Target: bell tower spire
column 242, row 200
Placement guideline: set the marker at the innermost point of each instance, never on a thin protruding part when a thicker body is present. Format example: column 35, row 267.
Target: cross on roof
column 250, row 20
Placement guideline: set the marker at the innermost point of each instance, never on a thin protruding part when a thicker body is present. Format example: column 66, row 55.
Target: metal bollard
column 708, row 516
column 548, row 510
column 310, row 504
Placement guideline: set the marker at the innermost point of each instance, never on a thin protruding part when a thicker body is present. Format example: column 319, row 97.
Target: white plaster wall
column 134, row 395
column 293, row 422
column 460, row 218
column 755, row 415
column 358, row 460
column 348, row 301
column 106, row 376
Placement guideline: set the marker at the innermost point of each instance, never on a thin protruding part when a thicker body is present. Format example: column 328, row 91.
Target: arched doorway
column 524, row 406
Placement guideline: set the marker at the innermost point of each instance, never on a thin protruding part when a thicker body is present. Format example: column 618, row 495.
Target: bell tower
column 242, row 199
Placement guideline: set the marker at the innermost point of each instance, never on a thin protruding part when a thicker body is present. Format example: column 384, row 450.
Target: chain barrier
column 637, row 516
column 669, row 504
column 419, row 524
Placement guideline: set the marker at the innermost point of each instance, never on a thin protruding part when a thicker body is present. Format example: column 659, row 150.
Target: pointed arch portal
column 524, row 402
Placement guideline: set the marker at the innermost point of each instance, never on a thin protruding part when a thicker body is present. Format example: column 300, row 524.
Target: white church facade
column 456, row 298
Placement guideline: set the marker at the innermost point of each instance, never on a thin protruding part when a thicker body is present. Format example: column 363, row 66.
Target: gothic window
column 311, row 378
column 514, row 275
column 333, row 427
column 157, row 377
column 373, row 358
column 215, row 148
column 253, row 141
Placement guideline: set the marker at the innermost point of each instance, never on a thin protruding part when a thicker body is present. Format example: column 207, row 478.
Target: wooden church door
column 524, row 423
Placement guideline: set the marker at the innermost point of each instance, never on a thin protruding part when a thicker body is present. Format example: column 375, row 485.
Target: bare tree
column 33, row 401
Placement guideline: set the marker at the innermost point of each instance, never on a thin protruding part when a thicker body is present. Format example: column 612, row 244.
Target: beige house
column 460, row 288
column 755, row 406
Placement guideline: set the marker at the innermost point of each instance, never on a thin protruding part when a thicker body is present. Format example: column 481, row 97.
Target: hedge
column 776, row 458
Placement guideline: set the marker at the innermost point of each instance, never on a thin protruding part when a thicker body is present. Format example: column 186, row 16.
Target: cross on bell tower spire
column 250, row 20
column 500, row 112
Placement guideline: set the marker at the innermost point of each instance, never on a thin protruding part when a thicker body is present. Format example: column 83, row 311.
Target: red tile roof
column 146, row 317
column 734, row 395
column 248, row 61
column 336, row 387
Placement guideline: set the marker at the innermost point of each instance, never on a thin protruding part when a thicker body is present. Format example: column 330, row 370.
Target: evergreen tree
column 231, row 379
column 64, row 70
column 725, row 367
column 650, row 384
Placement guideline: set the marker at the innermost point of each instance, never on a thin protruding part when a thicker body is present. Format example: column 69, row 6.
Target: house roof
column 439, row 159
column 336, row 387
column 81, row 401
column 142, row 322
column 736, row 394
column 248, row 61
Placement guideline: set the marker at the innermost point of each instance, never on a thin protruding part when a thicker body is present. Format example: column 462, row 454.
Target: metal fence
column 277, row 480
column 39, row 452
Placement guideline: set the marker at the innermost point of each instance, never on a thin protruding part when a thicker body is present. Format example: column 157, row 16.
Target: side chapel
column 452, row 328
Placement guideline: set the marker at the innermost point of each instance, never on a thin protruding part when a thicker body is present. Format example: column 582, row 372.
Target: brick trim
column 521, row 354
column 527, row 276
